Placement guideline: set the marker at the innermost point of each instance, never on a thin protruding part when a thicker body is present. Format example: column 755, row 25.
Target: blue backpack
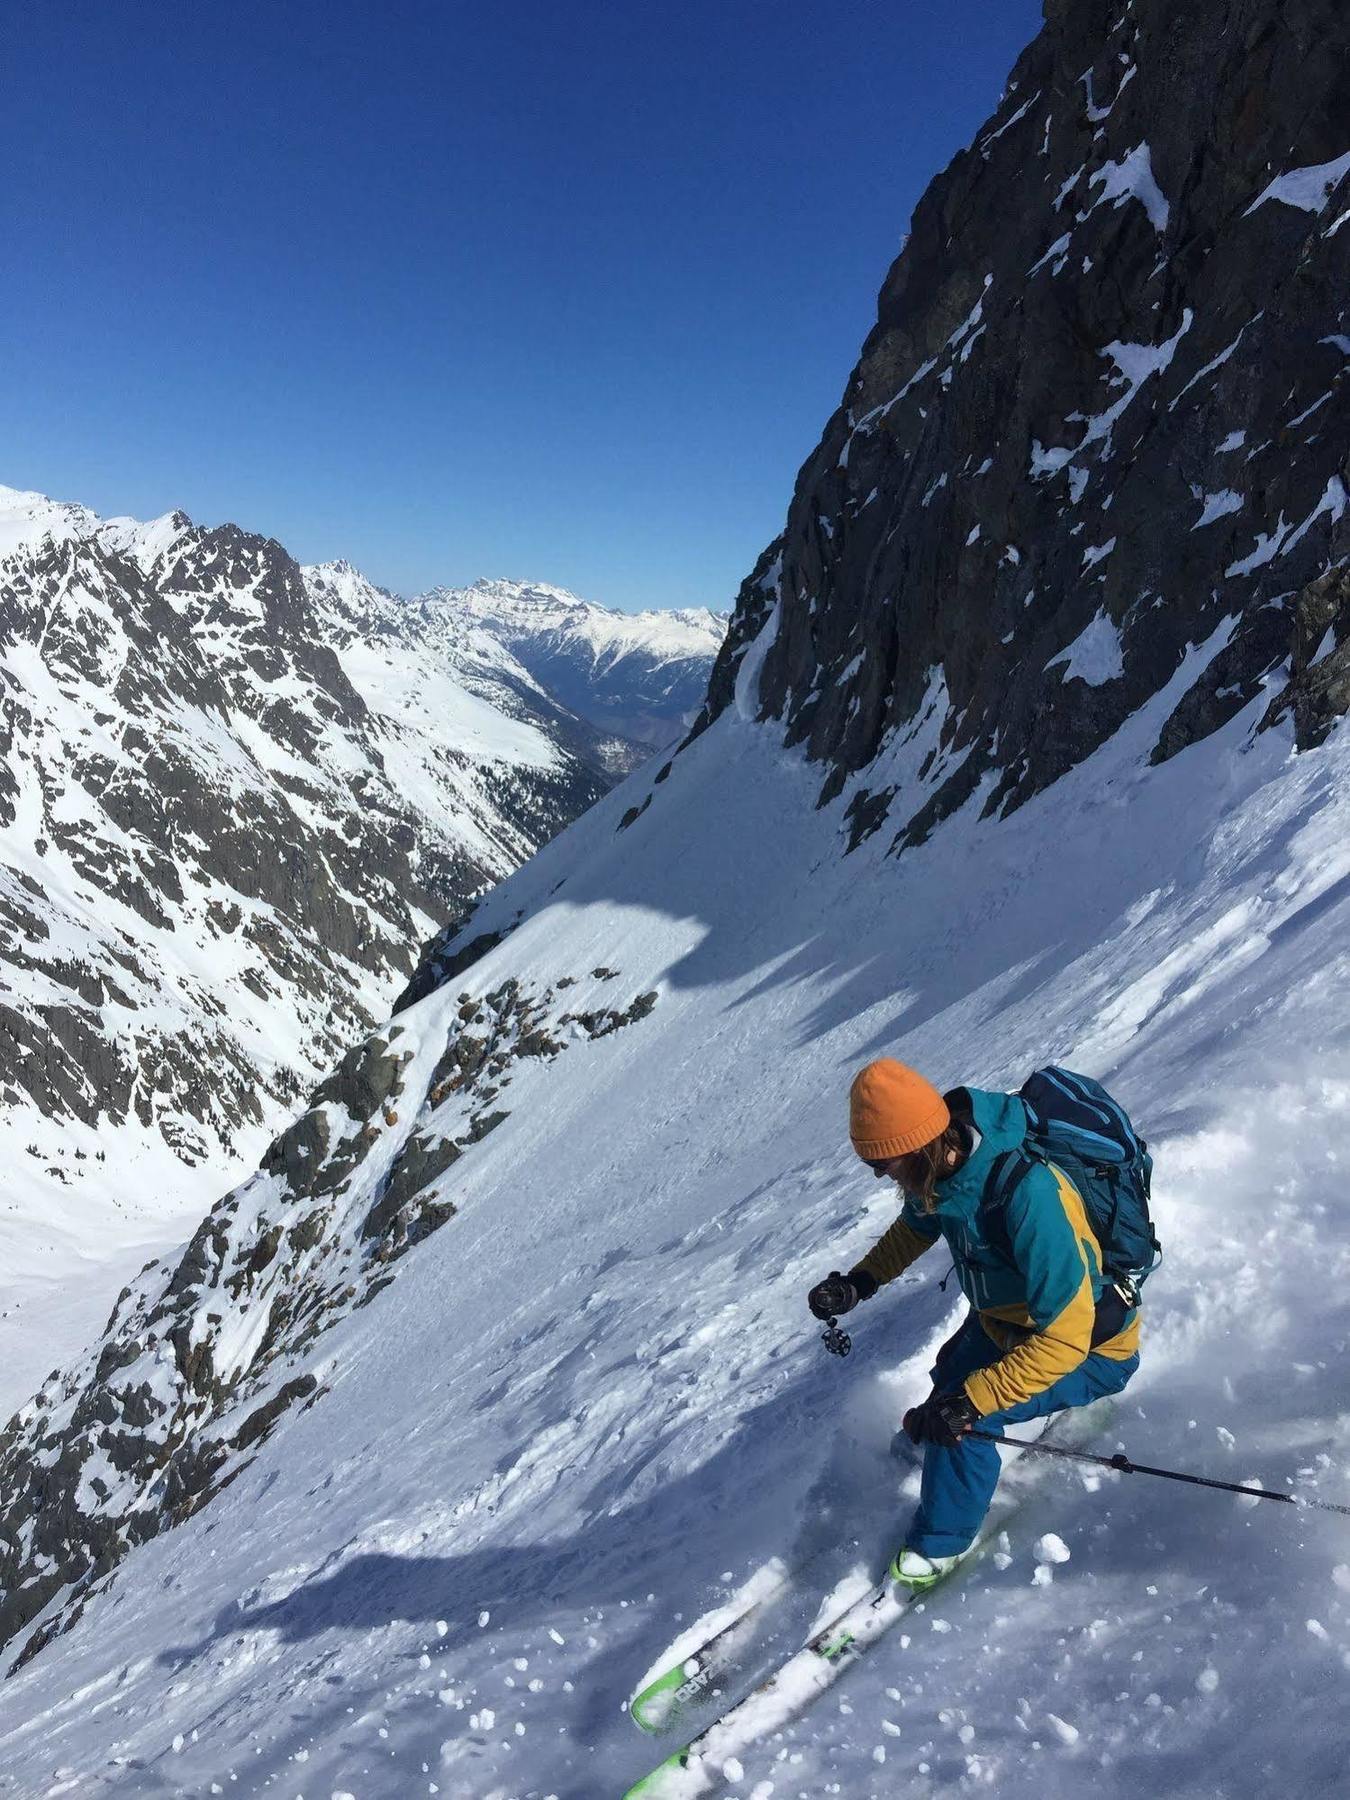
column 1074, row 1123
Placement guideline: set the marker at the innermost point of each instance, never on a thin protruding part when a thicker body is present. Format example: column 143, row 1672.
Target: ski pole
column 1122, row 1464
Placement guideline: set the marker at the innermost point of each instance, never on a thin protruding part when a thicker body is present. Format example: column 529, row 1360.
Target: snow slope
column 593, row 1403
column 498, row 1373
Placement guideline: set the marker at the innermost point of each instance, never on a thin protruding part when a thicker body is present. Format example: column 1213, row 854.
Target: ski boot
column 918, row 1573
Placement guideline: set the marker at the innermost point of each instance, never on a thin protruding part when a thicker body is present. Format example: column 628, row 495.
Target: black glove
column 942, row 1419
column 840, row 1293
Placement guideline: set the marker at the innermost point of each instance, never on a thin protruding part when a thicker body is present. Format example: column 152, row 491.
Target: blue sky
column 562, row 291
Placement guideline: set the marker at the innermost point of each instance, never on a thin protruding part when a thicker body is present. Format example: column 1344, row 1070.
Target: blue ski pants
column 959, row 1483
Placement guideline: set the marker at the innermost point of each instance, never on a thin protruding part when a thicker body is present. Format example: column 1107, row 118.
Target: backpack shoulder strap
column 1008, row 1173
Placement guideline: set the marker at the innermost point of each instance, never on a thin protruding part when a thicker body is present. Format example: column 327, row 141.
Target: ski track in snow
column 594, row 1405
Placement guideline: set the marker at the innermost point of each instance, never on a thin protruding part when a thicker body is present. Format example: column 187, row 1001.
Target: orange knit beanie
column 892, row 1110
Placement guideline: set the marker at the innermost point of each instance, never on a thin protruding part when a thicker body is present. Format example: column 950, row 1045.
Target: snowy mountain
column 639, row 675
column 234, row 802
column 1019, row 749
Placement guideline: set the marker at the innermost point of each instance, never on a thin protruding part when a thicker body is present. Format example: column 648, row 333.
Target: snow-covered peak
column 341, row 578
column 499, row 590
column 28, row 519
column 146, row 542
column 348, row 597
column 537, row 607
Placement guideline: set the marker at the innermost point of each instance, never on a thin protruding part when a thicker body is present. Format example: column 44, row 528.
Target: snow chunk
column 746, row 694
column 1066, row 1733
column 1286, row 534
column 992, row 137
column 1308, row 189
column 1131, row 179
column 1218, row 506
column 1097, row 115
column 1135, row 363
column 1048, row 462
column 1068, row 186
column 1052, row 1549
column 1308, row 411
column 1268, row 546
column 1095, row 655
column 1056, row 249
column 1333, row 502
column 1216, row 362
column 969, row 323
column 870, row 419
column 1207, row 1681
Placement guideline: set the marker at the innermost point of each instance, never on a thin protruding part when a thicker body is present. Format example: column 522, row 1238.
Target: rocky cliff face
column 1101, row 419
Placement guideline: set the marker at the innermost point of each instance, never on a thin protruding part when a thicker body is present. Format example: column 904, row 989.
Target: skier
column 1047, row 1328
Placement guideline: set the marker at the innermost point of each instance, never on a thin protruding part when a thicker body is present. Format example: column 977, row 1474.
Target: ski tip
column 650, row 1710
column 664, row 1782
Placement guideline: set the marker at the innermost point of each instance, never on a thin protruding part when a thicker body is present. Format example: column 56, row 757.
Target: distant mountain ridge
column 641, row 676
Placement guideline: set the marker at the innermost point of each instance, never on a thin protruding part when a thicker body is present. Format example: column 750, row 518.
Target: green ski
column 790, row 1688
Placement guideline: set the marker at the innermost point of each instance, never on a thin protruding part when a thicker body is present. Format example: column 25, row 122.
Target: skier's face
column 887, row 1170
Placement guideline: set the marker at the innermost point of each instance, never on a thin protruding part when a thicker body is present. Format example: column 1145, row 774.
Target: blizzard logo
column 693, row 1687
